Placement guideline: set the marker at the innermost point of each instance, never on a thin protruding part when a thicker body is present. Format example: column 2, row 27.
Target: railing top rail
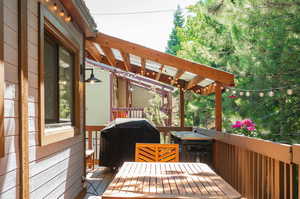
column 296, row 154
column 127, row 108
column 94, row 128
column 273, row 150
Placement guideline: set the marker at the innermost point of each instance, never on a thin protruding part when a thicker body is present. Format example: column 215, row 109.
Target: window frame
column 57, row 31
column 2, row 80
column 58, row 46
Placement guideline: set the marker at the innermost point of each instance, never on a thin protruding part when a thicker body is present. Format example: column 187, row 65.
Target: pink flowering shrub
column 245, row 127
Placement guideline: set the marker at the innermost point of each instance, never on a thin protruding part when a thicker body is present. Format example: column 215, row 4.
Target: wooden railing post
column 181, row 108
column 218, row 107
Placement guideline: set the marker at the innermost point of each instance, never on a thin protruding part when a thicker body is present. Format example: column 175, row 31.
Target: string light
column 54, row 7
column 289, row 91
column 271, row 93
column 247, row 93
column 261, row 94
column 241, row 93
column 234, row 92
column 68, row 19
column 61, row 13
column 47, row 1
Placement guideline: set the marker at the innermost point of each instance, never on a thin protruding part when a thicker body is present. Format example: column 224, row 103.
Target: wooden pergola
column 163, row 67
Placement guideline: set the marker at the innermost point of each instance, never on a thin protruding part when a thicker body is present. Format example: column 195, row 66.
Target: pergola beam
column 164, row 58
column 126, row 60
column 193, row 82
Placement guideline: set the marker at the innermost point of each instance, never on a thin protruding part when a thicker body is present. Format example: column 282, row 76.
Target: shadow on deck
column 98, row 180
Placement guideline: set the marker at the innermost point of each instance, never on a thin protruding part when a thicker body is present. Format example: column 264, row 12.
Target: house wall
column 122, row 92
column 9, row 164
column 141, row 97
column 55, row 170
column 98, row 99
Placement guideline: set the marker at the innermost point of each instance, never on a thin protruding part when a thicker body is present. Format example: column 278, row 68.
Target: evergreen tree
column 259, row 42
column 174, row 41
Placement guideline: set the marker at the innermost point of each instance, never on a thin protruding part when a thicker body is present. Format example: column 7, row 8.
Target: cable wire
column 132, row 13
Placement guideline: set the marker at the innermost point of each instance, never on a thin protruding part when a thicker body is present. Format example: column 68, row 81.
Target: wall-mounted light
column 92, row 79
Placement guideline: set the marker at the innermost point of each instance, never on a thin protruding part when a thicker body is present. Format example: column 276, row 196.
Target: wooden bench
column 156, row 152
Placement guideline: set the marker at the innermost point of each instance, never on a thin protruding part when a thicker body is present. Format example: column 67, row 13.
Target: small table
column 168, row 180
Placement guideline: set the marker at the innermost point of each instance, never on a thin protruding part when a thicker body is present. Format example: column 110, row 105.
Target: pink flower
column 238, row 124
column 248, row 123
column 251, row 128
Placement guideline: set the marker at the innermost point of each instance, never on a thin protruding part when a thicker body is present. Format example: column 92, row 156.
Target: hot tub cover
column 118, row 139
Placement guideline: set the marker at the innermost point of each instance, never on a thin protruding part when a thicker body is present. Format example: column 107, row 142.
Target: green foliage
column 258, row 41
column 174, row 41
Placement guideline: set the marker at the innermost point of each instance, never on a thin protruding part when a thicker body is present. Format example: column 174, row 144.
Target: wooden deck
column 100, row 179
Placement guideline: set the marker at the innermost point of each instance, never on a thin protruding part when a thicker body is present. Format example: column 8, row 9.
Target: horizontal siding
column 9, row 169
column 12, row 193
column 55, row 170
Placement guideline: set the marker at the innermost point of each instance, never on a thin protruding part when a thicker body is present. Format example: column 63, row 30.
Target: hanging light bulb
column 234, row 92
column 241, row 93
column 227, row 89
column 61, row 13
column 55, row 7
column 247, row 93
column 68, row 19
column 47, row 1
column 261, row 94
column 271, row 93
column 289, row 91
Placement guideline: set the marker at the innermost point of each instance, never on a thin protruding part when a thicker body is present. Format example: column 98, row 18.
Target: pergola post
column 218, row 107
column 181, row 107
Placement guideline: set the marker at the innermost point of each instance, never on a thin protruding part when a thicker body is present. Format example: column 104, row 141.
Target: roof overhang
column 157, row 65
column 80, row 13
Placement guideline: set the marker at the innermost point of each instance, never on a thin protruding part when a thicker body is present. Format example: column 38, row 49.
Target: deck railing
column 257, row 168
column 92, row 139
column 128, row 112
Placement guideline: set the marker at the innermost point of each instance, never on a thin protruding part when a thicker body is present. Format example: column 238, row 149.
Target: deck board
column 168, row 180
column 101, row 177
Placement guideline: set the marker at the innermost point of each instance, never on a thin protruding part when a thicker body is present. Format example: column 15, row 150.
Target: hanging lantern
column 247, row 93
column 271, row 93
column 241, row 93
column 261, row 94
column 289, row 91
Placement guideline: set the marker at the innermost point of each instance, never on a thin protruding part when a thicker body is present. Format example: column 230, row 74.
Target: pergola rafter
column 193, row 82
column 159, row 73
column 188, row 75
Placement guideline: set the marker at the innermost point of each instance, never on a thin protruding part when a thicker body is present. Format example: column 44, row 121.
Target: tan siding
column 9, row 169
column 55, row 170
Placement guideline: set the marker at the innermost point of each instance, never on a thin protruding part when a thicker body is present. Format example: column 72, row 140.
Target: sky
column 151, row 29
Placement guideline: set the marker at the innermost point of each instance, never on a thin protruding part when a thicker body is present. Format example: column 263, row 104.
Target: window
column 60, row 89
column 58, row 85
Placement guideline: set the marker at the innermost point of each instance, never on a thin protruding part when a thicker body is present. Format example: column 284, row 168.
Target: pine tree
column 174, row 40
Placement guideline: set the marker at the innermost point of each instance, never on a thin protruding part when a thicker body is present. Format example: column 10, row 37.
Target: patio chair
column 156, row 152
